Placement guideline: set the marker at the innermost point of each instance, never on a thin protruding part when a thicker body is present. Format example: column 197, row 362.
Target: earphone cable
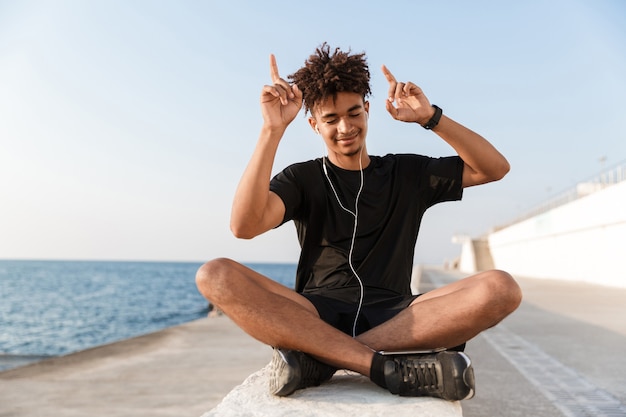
column 354, row 214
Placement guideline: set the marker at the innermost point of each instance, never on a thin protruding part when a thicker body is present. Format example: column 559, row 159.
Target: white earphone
column 354, row 214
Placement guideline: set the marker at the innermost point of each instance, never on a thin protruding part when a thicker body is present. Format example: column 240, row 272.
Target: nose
column 344, row 125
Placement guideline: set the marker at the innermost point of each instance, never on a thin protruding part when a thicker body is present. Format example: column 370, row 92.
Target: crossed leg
column 280, row 317
column 450, row 315
column 277, row 315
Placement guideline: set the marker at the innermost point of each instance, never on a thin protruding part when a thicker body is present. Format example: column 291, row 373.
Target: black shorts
column 341, row 314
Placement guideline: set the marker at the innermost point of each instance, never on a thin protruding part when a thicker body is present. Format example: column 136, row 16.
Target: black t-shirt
column 397, row 190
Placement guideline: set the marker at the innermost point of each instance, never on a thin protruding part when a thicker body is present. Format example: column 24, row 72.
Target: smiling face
column 342, row 123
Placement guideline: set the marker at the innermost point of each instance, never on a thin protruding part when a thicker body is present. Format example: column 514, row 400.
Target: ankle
column 377, row 371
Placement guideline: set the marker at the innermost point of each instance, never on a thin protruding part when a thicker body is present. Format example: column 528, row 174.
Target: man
column 357, row 217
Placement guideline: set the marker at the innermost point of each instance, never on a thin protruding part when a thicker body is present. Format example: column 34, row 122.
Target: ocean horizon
column 55, row 307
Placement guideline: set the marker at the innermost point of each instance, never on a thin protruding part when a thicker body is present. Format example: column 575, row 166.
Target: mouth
column 347, row 139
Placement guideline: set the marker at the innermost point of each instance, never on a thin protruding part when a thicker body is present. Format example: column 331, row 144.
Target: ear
column 313, row 124
column 366, row 106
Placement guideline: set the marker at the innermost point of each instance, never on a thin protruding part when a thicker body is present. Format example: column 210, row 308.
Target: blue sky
column 125, row 125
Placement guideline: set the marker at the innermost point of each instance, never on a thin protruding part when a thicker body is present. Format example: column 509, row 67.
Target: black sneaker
column 447, row 375
column 292, row 370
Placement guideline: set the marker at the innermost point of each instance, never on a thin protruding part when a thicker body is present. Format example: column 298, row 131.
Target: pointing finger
column 392, row 83
column 388, row 75
column 276, row 77
column 274, row 69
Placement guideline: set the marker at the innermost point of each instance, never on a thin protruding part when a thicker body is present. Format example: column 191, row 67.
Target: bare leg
column 278, row 316
column 450, row 315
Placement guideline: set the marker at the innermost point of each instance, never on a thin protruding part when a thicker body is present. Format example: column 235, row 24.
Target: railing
column 599, row 182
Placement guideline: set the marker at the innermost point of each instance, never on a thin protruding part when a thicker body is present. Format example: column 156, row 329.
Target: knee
column 502, row 291
column 212, row 278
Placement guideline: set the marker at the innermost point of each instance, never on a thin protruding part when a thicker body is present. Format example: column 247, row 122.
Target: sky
column 125, row 125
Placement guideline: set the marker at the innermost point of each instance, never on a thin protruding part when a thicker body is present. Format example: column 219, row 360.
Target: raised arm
column 483, row 162
column 255, row 208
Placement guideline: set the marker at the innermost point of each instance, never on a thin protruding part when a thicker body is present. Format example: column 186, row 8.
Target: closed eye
column 333, row 121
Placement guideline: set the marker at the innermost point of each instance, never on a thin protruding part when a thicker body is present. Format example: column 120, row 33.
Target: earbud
column 317, row 129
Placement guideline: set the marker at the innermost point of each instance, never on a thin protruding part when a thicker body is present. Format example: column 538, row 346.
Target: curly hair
column 325, row 74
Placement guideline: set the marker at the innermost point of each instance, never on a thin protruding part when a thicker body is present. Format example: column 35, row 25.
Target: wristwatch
column 434, row 121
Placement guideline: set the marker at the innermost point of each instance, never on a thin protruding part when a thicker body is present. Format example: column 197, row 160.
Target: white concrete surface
column 467, row 261
column 581, row 241
column 346, row 394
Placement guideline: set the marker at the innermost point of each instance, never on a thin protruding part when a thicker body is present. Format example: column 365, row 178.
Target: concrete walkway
column 560, row 354
column 182, row 371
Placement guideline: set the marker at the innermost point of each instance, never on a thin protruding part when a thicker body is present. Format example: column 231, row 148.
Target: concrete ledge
column 346, row 394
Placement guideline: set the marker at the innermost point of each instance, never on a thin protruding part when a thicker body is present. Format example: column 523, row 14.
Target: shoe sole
column 285, row 374
column 468, row 376
column 460, row 382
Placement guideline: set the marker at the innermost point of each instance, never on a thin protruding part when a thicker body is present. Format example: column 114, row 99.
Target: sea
column 53, row 308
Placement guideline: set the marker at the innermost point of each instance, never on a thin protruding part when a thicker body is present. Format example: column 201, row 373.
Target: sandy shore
column 181, row 371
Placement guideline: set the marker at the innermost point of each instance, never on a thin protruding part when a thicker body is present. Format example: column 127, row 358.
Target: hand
column 280, row 102
column 412, row 104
